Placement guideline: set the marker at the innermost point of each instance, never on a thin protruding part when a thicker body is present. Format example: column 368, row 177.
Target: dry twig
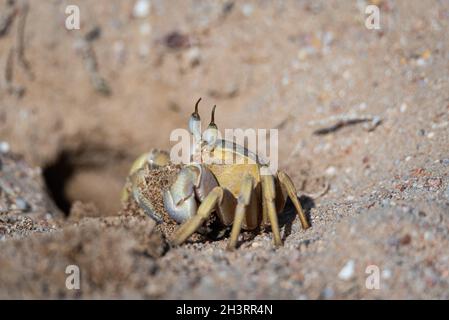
column 7, row 17
column 345, row 120
column 84, row 45
column 22, row 18
column 7, row 82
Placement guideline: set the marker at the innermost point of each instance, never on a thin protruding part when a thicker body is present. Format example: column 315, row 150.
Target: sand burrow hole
column 90, row 174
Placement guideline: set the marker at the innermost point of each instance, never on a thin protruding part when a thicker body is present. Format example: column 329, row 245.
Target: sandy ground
column 76, row 107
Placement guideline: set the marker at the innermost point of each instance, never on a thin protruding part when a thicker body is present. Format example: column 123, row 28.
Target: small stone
column 176, row 40
column 255, row 244
column 347, row 271
column 376, row 121
column 22, row 205
column 405, row 240
column 421, row 62
column 327, row 293
column 141, row 8
column 193, row 56
column 386, row 274
column 428, row 236
column 93, row 34
column 430, row 135
column 4, row 147
column 247, row 9
column 331, row 171
column 403, row 107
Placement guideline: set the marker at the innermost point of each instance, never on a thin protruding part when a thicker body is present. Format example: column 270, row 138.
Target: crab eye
column 211, row 133
column 195, row 123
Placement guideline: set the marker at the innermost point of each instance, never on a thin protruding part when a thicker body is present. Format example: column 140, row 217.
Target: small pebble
column 4, row 147
column 405, row 240
column 193, row 56
column 363, row 106
column 22, row 205
column 255, row 244
column 386, row 274
column 328, row 293
column 421, row 62
column 141, row 8
column 430, row 135
column 347, row 271
column 428, row 236
column 331, row 171
column 376, row 121
column 403, row 107
column 247, row 9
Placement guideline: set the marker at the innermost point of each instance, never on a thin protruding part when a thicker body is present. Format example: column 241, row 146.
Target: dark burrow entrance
column 91, row 175
column 56, row 176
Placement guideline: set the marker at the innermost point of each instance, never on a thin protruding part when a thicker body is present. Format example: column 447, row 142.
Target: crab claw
column 137, row 180
column 193, row 182
column 154, row 159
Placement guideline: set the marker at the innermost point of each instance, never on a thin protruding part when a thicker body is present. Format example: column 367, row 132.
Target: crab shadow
column 288, row 215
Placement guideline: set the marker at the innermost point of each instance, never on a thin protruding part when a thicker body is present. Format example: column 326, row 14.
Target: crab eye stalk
column 195, row 123
column 211, row 133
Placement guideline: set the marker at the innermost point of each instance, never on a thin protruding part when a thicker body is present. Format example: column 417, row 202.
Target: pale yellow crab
column 239, row 194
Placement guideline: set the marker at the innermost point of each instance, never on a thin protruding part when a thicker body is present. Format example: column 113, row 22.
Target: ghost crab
column 242, row 196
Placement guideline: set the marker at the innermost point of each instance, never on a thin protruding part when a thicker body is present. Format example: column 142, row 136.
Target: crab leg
column 243, row 202
column 269, row 195
column 287, row 183
column 205, row 209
